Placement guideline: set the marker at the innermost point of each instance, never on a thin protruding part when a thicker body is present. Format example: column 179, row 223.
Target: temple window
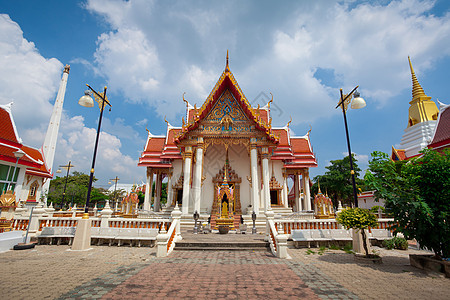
column 33, row 189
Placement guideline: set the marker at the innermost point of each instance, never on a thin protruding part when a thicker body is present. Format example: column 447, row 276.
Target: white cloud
column 31, row 81
column 181, row 48
column 27, row 79
column 130, row 62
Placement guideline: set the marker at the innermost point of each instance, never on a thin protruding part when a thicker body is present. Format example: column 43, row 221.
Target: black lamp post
column 87, row 101
column 357, row 103
column 68, row 166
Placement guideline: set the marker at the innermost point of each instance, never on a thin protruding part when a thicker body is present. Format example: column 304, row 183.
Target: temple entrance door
column 274, row 197
column 179, row 197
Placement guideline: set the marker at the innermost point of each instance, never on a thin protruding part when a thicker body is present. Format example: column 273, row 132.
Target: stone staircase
column 222, row 242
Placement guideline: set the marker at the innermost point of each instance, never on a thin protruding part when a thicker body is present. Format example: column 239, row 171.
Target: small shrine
column 129, row 205
column 8, row 204
column 226, row 209
column 323, row 206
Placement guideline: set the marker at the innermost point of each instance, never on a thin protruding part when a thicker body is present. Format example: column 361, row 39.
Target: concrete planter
column 427, row 262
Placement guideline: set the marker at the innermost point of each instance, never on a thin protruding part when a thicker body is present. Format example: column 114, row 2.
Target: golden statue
column 224, row 210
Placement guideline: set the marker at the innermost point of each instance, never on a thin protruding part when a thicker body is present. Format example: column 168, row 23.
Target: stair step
column 220, row 249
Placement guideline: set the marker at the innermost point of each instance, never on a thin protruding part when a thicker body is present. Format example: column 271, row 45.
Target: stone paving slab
column 54, row 272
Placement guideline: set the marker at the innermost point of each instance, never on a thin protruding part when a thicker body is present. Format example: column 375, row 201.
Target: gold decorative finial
column 309, row 131
column 271, row 100
column 187, row 103
column 148, row 131
column 289, row 123
column 166, row 121
column 417, row 89
column 227, row 67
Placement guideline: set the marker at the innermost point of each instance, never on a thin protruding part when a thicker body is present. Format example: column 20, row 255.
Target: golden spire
column 318, row 184
column 422, row 109
column 417, row 90
column 227, row 67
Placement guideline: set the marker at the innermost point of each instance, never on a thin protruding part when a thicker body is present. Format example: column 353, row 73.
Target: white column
column 187, row 179
column 306, row 192
column 197, row 181
column 285, row 191
column 300, row 200
column 148, row 190
column 254, row 174
column 296, row 193
column 169, row 189
column 157, row 192
column 19, row 184
column 266, row 179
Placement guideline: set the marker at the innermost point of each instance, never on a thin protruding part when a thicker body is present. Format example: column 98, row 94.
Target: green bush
column 397, row 243
column 375, row 209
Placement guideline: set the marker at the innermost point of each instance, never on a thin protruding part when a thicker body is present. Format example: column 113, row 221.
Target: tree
column 76, row 189
column 337, row 181
column 417, row 194
column 358, row 218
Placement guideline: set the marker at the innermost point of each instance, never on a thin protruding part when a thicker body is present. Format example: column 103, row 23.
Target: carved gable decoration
column 228, row 108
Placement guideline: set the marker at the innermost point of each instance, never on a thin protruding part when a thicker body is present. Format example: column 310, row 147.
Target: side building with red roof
column 227, row 159
column 22, row 168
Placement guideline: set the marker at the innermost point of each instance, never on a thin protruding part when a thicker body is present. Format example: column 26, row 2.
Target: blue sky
column 149, row 52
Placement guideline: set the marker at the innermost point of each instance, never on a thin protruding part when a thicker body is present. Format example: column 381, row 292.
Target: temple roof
column 10, row 142
column 441, row 136
column 227, row 82
column 295, row 152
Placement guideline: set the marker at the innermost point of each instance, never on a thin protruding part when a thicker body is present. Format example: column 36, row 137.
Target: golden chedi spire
column 422, row 109
column 227, row 67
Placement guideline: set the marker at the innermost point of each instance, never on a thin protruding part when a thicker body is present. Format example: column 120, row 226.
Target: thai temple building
column 227, row 160
column 422, row 120
column 25, row 172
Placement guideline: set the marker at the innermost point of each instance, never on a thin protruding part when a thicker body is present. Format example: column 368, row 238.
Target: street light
column 82, row 239
column 115, row 187
column 87, row 101
column 68, row 166
column 357, row 103
column 18, row 155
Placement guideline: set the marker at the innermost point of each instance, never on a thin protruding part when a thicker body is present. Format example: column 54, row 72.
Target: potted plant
column 359, row 219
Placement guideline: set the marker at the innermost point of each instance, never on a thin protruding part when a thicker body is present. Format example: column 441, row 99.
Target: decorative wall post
column 266, row 179
column 187, row 179
column 105, row 214
column 197, row 188
column 254, row 174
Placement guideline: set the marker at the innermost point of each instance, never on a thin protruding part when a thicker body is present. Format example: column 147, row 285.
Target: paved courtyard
column 56, row 272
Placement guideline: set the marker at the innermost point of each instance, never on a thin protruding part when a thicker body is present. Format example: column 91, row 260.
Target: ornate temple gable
column 226, row 91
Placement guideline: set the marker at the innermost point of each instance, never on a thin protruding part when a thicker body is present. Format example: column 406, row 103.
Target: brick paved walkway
column 54, row 272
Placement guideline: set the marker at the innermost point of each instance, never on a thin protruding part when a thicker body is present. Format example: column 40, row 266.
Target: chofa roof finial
column 227, row 67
